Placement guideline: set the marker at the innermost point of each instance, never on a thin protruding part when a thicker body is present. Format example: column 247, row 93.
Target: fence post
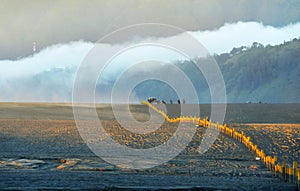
column 247, row 142
column 267, row 162
column 263, row 155
column 295, row 167
column 242, row 135
column 284, row 170
column 274, row 160
column 280, row 172
column 291, row 173
column 276, row 169
column 298, row 175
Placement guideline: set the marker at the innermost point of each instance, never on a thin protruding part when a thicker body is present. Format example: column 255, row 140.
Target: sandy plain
column 41, row 148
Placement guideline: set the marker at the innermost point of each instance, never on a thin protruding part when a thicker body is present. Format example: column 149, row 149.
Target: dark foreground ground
column 41, row 149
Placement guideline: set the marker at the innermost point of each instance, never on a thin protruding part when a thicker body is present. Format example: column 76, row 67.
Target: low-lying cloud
column 49, row 74
column 244, row 34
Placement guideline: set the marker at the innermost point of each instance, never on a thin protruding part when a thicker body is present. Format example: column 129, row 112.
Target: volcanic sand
column 41, row 148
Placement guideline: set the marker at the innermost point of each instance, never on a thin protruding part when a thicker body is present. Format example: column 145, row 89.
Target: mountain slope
column 267, row 74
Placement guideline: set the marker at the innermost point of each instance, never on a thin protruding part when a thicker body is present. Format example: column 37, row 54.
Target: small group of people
column 154, row 100
column 178, row 101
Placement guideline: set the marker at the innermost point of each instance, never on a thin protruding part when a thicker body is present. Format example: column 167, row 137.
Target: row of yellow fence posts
column 289, row 174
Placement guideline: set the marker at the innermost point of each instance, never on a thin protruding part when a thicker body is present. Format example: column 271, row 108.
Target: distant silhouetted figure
column 178, row 101
column 171, row 101
column 152, row 99
column 183, row 101
column 163, row 102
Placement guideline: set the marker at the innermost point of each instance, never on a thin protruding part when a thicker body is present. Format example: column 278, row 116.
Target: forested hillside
column 258, row 73
column 269, row 74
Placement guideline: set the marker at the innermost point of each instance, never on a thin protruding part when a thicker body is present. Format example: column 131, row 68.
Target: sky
column 51, row 22
column 35, row 77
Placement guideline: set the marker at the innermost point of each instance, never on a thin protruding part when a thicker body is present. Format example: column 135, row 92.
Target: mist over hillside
column 268, row 74
column 257, row 72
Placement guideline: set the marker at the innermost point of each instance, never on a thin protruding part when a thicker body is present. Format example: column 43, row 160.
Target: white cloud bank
column 49, row 74
column 244, row 34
